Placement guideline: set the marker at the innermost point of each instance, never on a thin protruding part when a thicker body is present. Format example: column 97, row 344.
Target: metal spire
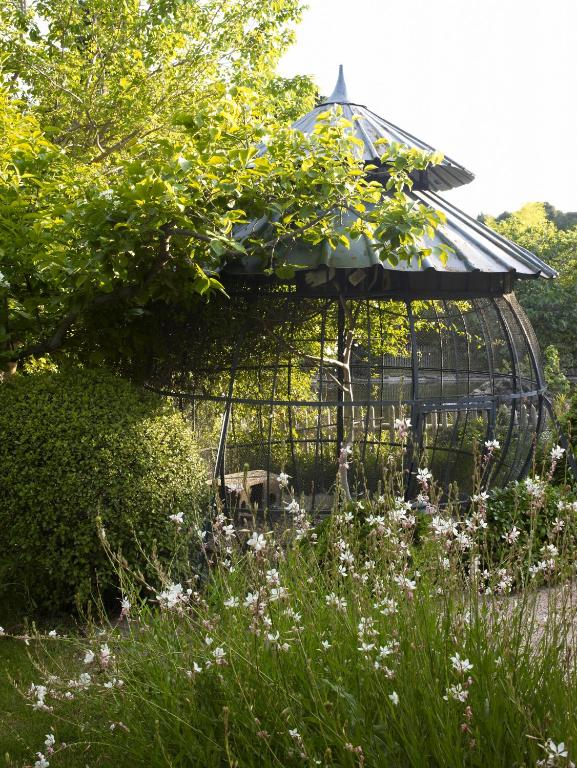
column 339, row 94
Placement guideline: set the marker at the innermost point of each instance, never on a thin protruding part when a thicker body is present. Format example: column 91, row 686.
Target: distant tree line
column 550, row 304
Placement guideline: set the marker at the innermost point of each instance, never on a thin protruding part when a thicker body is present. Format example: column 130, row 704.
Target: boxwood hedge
column 79, row 445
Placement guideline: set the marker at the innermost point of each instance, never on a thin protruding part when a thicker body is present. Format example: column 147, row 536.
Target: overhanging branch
column 57, row 338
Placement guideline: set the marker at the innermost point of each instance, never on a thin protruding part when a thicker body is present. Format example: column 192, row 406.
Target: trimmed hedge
column 79, row 445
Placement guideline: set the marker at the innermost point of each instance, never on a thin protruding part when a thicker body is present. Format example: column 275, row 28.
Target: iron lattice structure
column 305, row 371
column 283, row 375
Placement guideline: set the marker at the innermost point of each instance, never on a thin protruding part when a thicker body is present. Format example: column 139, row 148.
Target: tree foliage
column 550, row 304
column 131, row 151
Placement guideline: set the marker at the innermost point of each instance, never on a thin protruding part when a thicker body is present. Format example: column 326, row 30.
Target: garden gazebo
column 353, row 346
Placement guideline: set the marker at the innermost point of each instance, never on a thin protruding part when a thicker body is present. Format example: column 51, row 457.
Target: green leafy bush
column 534, row 508
column 81, row 446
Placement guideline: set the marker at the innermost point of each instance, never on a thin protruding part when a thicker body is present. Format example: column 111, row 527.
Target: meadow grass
column 385, row 636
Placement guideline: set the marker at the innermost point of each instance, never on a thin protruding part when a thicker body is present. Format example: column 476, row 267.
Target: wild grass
column 383, row 637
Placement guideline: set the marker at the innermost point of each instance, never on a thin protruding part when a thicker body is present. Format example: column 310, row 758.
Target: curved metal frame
column 472, row 366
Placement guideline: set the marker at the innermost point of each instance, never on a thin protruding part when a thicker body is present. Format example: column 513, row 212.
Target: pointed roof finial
column 339, row 94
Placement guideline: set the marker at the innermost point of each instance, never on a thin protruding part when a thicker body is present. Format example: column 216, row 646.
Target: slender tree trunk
column 346, row 343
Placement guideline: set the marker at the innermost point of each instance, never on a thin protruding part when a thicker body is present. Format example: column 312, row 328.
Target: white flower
column 257, row 542
column 535, row 487
column 178, row 518
column 557, row 755
column 443, row 527
column 125, row 607
column 556, row 750
column 232, row 602
column 337, row 602
column 273, row 577
column 549, row 550
column 294, row 734
column 389, row 648
column 394, row 697
column 105, row 655
column 367, row 627
column 558, row 525
column 347, row 557
column 366, row 647
column 219, row 656
column 2, row 631
column 278, row 593
column 42, row 762
column 461, row 665
column 511, row 536
column 402, row 427
column 283, row 480
column 424, row 475
column 377, row 522
column 505, row 581
column 386, row 606
column 464, row 541
column 196, row 670
column 325, row 645
column 293, row 507
column 405, row 583
column 492, row 445
column 89, row 657
column 251, row 600
column 84, row 680
column 53, row 633
column 557, row 453
column 50, row 741
column 457, row 692
column 39, row 691
column 172, row 597
column 229, row 531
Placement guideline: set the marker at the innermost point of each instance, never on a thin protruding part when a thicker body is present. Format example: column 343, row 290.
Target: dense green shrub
column 80, row 445
column 533, row 507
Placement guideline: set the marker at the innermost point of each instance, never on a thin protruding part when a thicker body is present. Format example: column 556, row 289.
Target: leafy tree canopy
column 129, row 151
column 550, row 304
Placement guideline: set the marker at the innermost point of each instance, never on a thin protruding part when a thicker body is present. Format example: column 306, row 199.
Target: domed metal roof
column 370, row 128
column 480, row 261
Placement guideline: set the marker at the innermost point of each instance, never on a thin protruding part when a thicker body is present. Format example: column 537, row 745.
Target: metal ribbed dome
column 480, row 261
column 370, row 128
column 475, row 251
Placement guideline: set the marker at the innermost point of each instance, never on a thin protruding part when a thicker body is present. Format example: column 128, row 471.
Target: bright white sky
column 492, row 83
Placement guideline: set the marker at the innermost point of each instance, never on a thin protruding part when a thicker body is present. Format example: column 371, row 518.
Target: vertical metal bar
column 440, row 330
column 271, row 410
column 219, row 468
column 415, row 410
column 369, row 387
column 291, row 426
column 340, row 376
column 316, row 474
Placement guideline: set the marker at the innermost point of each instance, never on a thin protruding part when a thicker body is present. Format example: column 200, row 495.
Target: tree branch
column 122, row 143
